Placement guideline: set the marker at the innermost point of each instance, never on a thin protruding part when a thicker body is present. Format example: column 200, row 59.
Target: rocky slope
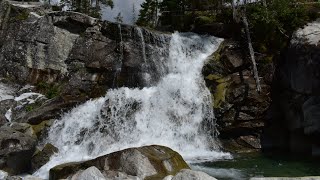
column 240, row 110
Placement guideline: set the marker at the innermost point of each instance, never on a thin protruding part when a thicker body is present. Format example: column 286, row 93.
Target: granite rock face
column 70, row 57
column 294, row 121
column 59, row 46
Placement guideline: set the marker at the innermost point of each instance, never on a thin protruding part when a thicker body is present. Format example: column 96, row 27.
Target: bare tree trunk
column 254, row 64
column 242, row 15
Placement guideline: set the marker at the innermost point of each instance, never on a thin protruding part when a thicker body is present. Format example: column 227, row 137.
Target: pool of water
column 244, row 166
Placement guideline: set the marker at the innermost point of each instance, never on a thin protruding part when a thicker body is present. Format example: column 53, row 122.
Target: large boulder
column 16, row 150
column 294, row 119
column 144, row 162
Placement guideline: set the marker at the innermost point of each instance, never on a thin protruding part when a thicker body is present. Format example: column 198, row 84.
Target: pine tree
column 149, row 13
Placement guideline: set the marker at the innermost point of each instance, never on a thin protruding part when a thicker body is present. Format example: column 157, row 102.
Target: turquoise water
column 258, row 165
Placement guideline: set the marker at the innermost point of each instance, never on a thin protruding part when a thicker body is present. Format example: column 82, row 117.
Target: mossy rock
column 201, row 20
column 154, row 162
column 38, row 129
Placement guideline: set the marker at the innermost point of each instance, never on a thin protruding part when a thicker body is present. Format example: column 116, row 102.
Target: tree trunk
column 254, row 64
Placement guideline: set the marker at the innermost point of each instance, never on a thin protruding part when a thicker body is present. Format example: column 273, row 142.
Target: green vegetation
column 271, row 25
column 29, row 107
column 50, row 90
column 19, row 14
column 148, row 13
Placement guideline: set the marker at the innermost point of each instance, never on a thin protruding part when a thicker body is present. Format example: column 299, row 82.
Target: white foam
column 6, row 92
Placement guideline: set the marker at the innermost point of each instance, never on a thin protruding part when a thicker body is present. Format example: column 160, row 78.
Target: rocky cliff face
column 71, row 57
column 240, row 110
column 294, row 121
column 84, row 55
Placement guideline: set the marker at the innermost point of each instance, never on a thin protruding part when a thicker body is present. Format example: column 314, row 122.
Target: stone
column 239, row 109
column 293, row 123
column 3, row 174
column 25, row 103
column 14, row 178
column 308, row 34
column 92, row 173
column 51, row 109
column 187, row 174
column 75, row 50
column 5, row 106
column 251, row 141
column 168, row 177
column 23, row 128
column 136, row 164
column 143, row 163
column 30, row 177
column 16, row 150
column 40, row 158
column 117, row 175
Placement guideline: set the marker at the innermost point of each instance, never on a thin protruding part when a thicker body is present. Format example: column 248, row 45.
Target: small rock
column 92, row 173
column 251, row 141
column 29, row 177
column 3, row 174
column 116, row 175
column 187, row 174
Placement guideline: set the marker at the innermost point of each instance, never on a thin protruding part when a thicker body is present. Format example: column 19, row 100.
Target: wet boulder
column 41, row 157
column 144, row 162
column 16, row 150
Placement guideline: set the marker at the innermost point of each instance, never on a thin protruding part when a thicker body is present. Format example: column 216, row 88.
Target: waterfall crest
column 175, row 112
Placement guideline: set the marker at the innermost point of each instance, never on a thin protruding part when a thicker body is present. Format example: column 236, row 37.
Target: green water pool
column 244, row 166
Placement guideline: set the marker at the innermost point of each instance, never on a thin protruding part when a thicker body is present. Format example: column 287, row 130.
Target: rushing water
column 175, row 112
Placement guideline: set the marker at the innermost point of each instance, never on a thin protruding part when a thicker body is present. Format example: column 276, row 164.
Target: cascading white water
column 176, row 112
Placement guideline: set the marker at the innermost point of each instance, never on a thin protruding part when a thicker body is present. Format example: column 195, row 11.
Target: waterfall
column 119, row 64
column 175, row 112
column 143, row 44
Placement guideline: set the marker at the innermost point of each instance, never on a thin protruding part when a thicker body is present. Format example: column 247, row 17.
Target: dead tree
column 239, row 14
